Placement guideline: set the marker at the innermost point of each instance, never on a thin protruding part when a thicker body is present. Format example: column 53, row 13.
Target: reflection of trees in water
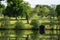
column 22, row 34
column 4, row 35
column 19, row 33
column 10, row 34
column 34, row 35
column 14, row 34
column 5, row 23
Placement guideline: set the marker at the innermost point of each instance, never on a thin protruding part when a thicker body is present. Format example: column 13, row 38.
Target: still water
column 29, row 34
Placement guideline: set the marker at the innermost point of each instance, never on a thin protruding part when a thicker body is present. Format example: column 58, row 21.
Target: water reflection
column 32, row 35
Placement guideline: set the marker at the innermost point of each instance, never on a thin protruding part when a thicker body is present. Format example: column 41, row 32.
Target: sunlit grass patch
column 28, row 26
column 12, row 22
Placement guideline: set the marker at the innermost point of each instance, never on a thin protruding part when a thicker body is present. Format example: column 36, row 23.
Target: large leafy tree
column 58, row 10
column 58, row 13
column 42, row 10
column 17, row 8
column 14, row 8
column 45, row 11
column 37, row 9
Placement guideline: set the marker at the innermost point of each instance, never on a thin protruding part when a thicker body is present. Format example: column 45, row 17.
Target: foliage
column 37, row 8
column 2, row 7
column 42, row 10
column 58, row 10
column 14, row 8
column 17, row 8
column 19, row 25
column 27, row 11
column 45, row 11
column 35, row 23
column 5, row 22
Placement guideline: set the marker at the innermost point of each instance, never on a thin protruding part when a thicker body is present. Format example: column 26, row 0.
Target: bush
column 35, row 23
column 19, row 25
column 5, row 23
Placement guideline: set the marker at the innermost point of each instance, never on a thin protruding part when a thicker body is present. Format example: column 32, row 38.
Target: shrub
column 5, row 23
column 34, row 23
column 19, row 25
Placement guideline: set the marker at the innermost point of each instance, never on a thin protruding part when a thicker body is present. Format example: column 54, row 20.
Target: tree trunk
column 16, row 19
column 28, row 21
column 27, row 18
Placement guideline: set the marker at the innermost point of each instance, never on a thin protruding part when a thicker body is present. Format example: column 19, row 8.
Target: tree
column 1, row 8
column 42, row 10
column 17, row 8
column 58, row 13
column 37, row 10
column 14, row 8
column 58, row 10
column 45, row 11
column 27, row 11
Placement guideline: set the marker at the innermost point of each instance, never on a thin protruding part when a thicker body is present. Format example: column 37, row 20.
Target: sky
column 33, row 3
column 43, row 2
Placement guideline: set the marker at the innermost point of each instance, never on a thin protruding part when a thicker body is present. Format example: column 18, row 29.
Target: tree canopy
column 1, row 8
column 58, row 10
column 17, row 8
column 14, row 8
column 42, row 10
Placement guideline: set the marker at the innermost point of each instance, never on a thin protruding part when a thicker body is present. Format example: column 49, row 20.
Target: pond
column 29, row 35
